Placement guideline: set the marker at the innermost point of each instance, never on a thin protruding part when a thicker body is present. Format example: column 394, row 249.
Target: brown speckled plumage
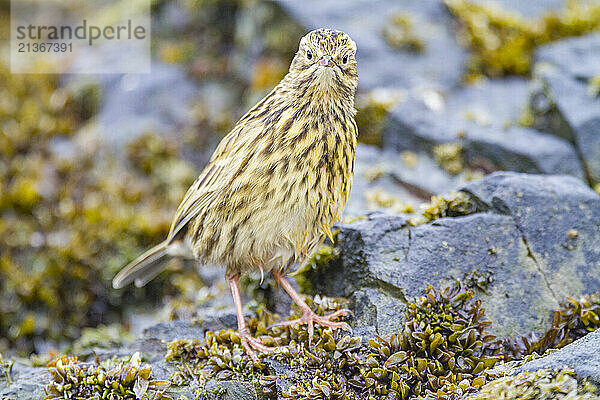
column 280, row 179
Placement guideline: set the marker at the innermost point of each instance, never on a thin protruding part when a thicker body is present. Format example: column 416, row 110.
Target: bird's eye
column 345, row 59
column 309, row 54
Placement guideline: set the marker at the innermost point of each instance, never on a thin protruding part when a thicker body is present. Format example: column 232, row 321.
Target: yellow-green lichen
column 373, row 109
column 454, row 205
column 502, row 42
column 6, row 367
column 379, row 198
column 449, row 157
column 399, row 33
column 539, row 385
column 594, row 86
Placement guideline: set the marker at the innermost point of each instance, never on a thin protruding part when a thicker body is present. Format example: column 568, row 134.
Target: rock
column 375, row 308
column 582, row 355
column 230, row 390
column 561, row 54
column 557, row 218
column 27, row 383
column 528, row 245
column 485, row 102
column 562, row 103
column 414, row 126
column 386, row 180
column 440, row 65
column 530, row 9
column 135, row 104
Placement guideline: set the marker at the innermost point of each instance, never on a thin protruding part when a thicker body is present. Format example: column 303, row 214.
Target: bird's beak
column 326, row 61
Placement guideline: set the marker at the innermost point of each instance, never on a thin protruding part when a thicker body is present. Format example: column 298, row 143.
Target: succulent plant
column 125, row 380
column 444, row 350
column 575, row 319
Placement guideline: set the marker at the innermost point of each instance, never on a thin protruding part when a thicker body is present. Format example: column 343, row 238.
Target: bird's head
column 326, row 60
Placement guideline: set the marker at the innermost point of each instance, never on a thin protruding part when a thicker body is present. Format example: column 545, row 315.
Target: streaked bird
column 276, row 183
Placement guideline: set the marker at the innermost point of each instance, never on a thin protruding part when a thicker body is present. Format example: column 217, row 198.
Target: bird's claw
column 309, row 317
column 251, row 343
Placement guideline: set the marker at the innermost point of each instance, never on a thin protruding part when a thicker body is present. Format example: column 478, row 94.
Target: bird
column 276, row 183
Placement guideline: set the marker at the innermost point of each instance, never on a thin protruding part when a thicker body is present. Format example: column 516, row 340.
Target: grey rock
column 558, row 218
column 414, row 126
column 582, row 355
column 530, row 8
column 519, row 241
column 27, row 383
column 384, row 171
column 494, row 103
column 136, row 104
column 577, row 57
column 230, row 390
column 563, row 106
column 440, row 65
column 375, row 308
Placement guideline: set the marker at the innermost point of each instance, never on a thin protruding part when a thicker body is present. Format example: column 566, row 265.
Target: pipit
column 276, row 183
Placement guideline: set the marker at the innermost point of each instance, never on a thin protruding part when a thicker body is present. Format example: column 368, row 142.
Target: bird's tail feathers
column 143, row 269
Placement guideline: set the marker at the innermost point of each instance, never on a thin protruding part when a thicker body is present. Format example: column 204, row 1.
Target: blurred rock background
column 93, row 167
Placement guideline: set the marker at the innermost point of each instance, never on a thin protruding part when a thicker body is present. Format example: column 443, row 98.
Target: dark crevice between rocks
column 571, row 136
column 413, row 189
column 480, row 205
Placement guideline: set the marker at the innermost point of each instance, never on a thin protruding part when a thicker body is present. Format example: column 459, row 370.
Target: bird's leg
column 248, row 341
column 308, row 315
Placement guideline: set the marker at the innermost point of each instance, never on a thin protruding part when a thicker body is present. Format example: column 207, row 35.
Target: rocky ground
column 470, row 248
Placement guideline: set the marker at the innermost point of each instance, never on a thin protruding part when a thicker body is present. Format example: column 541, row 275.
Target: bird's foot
column 251, row 343
column 309, row 317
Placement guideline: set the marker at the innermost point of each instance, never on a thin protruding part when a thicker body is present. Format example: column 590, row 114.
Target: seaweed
column 124, row 380
column 503, row 42
column 6, row 367
column 449, row 157
column 443, row 350
column 575, row 319
column 71, row 215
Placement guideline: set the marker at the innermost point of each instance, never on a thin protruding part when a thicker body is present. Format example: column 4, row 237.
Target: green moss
column 399, row 33
column 502, row 42
column 540, row 385
column 125, row 380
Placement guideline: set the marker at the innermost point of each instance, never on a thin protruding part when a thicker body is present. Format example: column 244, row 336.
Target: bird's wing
column 215, row 177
